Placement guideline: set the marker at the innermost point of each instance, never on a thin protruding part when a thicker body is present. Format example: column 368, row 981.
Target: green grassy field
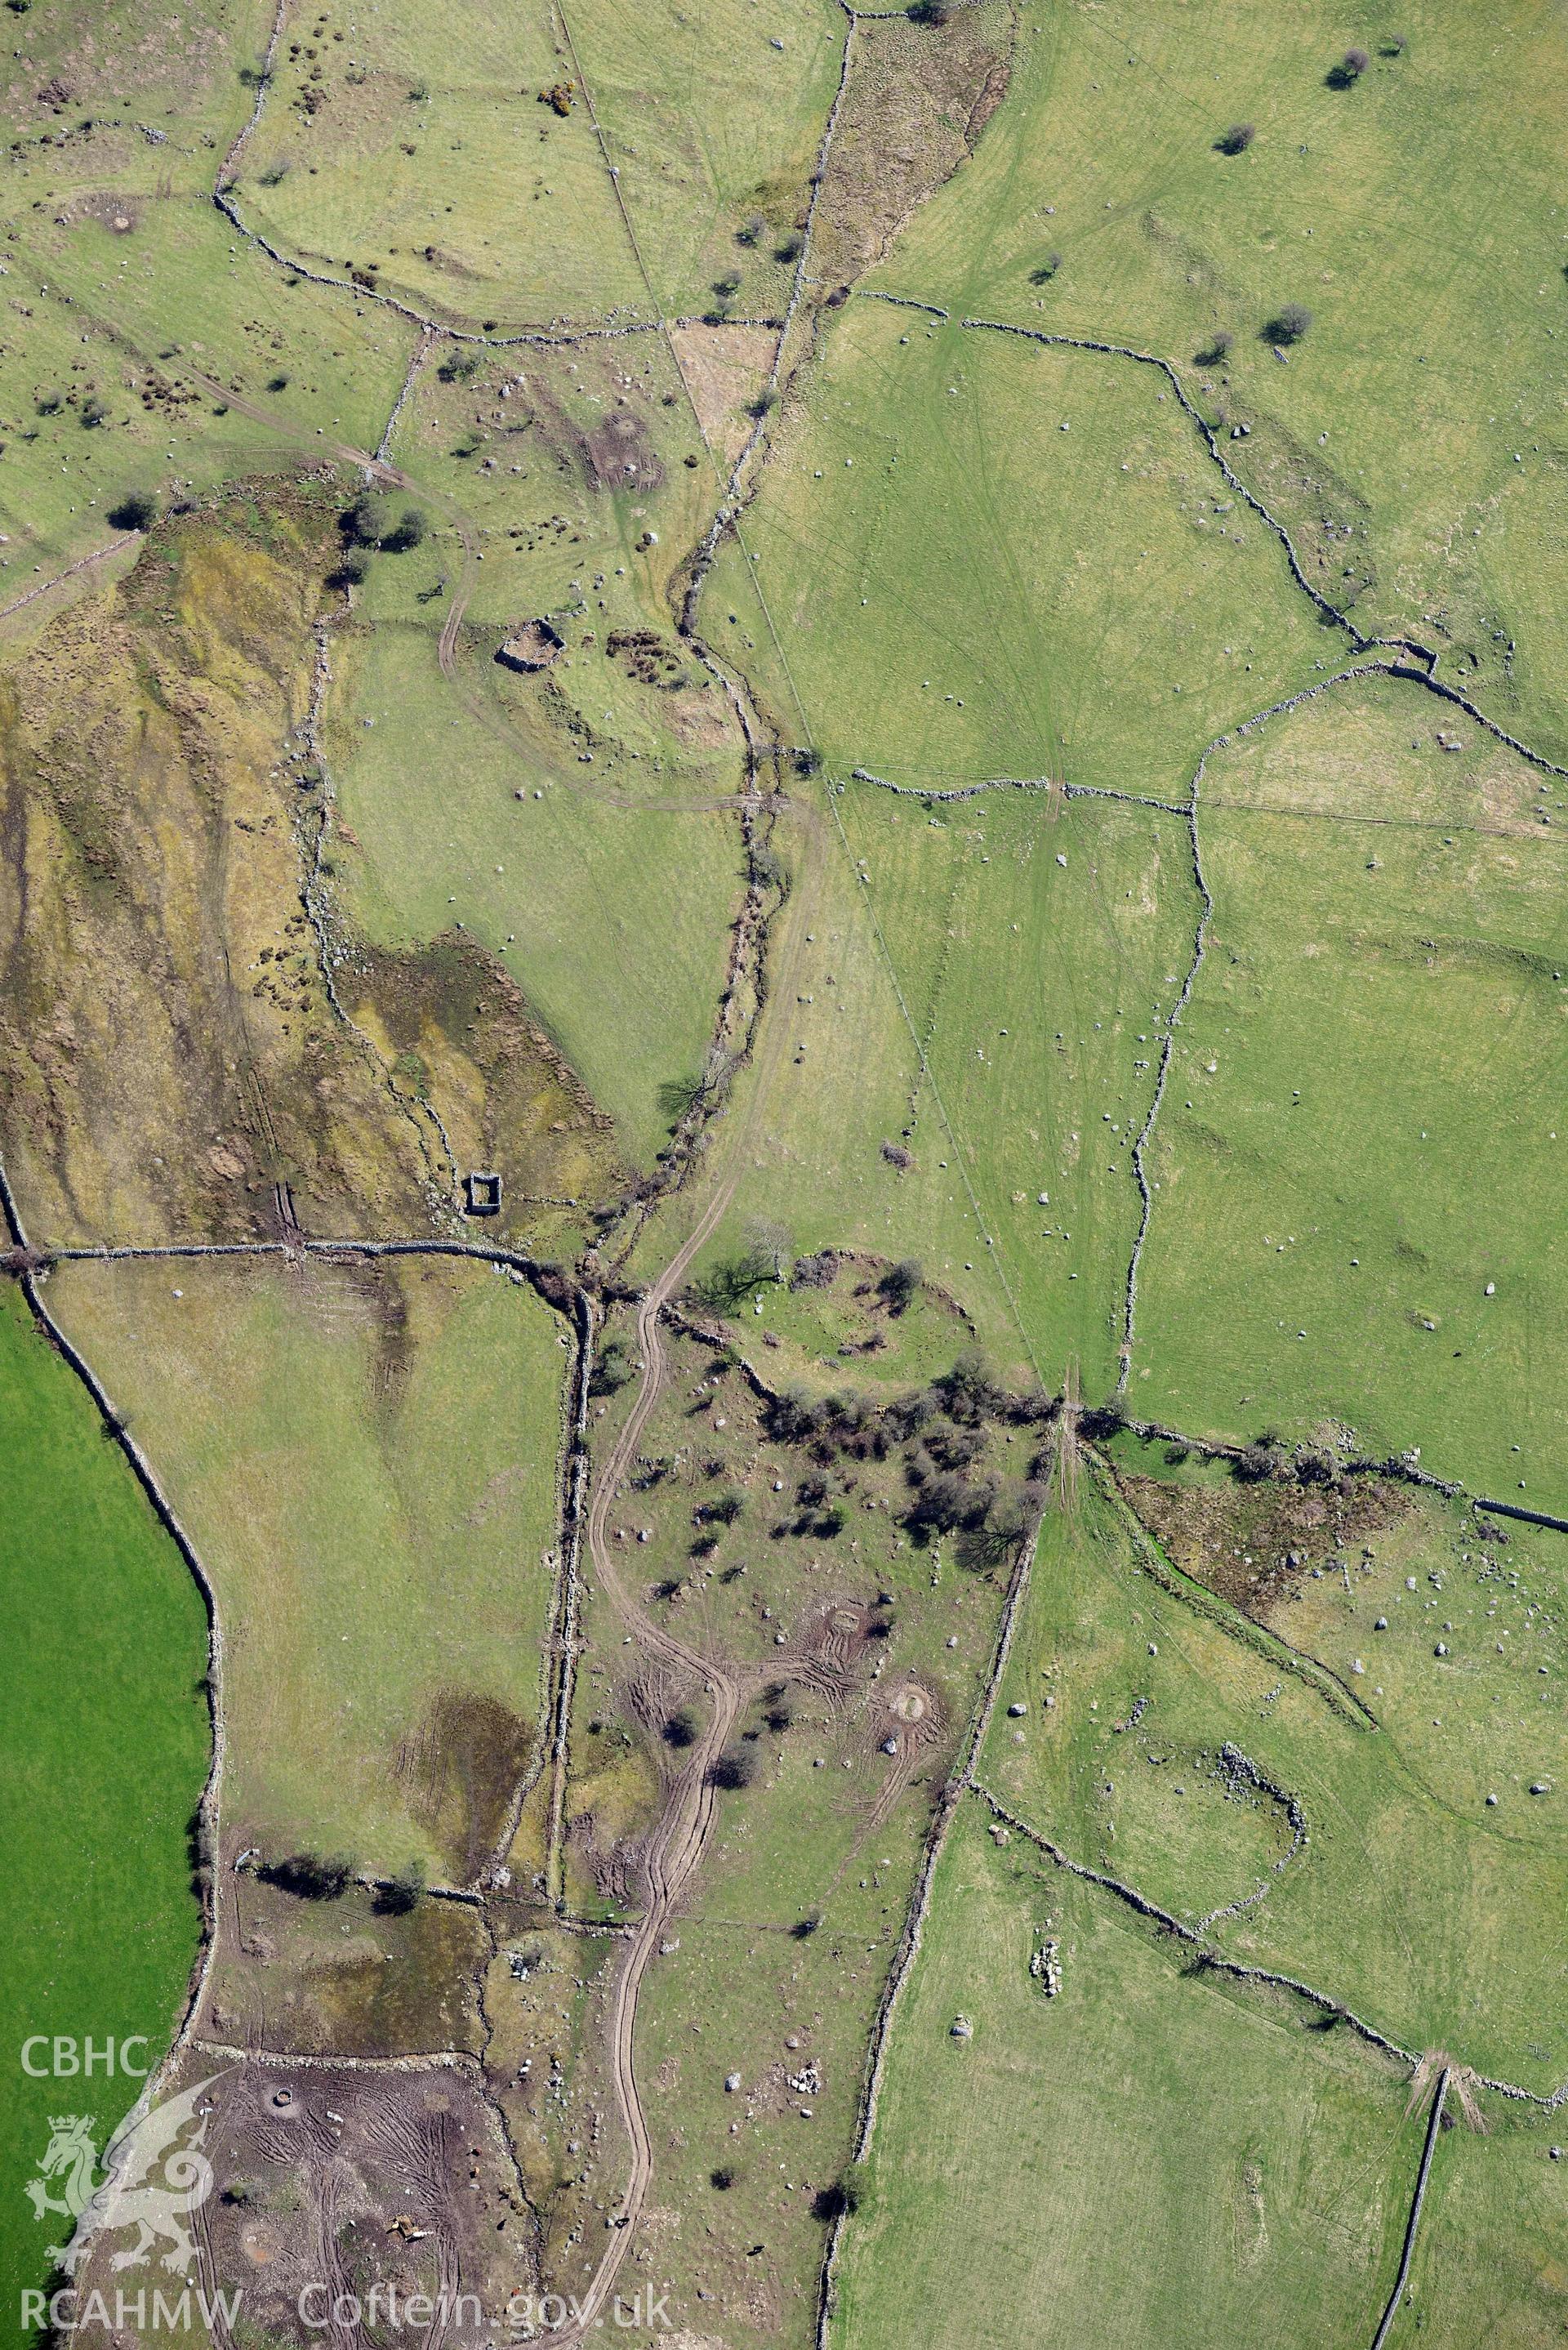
column 1022, row 948
column 367, row 1463
column 430, row 796
column 205, row 367
column 713, row 119
column 985, row 558
column 580, row 470
column 401, row 153
column 143, row 107
column 1357, row 1155
column 961, row 556
column 105, row 1742
column 1414, row 1902
column 1409, row 437
column 1149, row 2159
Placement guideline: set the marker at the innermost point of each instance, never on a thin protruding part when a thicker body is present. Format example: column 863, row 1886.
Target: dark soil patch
column 416, row 1994
column 1254, row 1544
column 329, row 2178
column 918, row 99
column 460, row 1771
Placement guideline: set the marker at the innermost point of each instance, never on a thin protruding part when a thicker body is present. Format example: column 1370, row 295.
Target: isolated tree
column 1289, row 323
column 1045, row 268
column 365, row 521
column 137, row 510
column 1237, row 140
column 738, row 1768
column 677, row 1095
column 312, row 1876
column 681, row 1729
column 1218, row 348
column 900, row 1283
column 968, row 1390
column 403, row 1890
column 942, row 1502
column 1349, row 70
column 769, row 1243
column 410, row 530
column 932, row 12
column 612, row 1368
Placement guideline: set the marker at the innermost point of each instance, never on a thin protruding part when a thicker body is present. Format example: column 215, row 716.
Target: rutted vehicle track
column 681, row 1835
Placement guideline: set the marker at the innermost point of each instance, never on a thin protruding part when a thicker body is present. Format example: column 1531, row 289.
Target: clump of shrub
column 899, row 1285
column 368, row 526
column 1289, row 323
column 137, row 510
column 612, row 1368
column 311, row 1876
column 1267, row 1455
column 402, row 1891
column 814, row 1271
column 1237, row 140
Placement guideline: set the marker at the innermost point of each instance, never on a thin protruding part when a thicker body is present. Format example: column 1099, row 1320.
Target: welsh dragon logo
column 155, row 2176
